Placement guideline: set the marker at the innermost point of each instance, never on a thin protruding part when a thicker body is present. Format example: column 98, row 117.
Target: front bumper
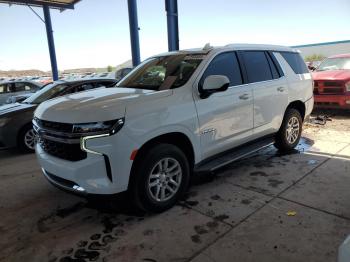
column 89, row 174
column 332, row 101
column 106, row 172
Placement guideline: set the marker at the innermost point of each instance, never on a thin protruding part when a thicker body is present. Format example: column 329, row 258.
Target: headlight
column 110, row 127
column 347, row 85
column 3, row 121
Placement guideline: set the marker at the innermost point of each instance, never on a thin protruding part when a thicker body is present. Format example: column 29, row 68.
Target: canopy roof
column 58, row 4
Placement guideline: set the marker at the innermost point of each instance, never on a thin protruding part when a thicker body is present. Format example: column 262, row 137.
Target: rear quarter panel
column 300, row 85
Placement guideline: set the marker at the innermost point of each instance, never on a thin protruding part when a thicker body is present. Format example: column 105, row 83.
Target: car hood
column 342, row 75
column 96, row 105
column 15, row 107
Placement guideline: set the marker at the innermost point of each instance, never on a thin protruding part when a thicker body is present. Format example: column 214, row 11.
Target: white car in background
column 9, row 89
column 175, row 115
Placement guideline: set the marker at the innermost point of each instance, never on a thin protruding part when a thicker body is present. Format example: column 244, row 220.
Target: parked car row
column 16, row 128
column 118, row 75
column 18, row 89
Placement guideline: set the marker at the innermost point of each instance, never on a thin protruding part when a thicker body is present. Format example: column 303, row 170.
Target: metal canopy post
column 134, row 32
column 50, row 42
column 173, row 26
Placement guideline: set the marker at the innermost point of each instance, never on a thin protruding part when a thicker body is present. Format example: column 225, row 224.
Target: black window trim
column 235, row 52
column 273, row 58
column 277, row 65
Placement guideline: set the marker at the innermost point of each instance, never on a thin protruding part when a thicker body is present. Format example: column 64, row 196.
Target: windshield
column 342, row 63
column 49, row 91
column 162, row 73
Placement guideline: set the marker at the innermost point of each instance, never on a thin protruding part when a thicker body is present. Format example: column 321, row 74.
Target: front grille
column 332, row 83
column 334, row 90
column 54, row 126
column 328, row 87
column 71, row 152
column 58, row 140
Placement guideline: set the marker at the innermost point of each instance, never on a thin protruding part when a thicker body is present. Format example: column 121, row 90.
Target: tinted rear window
column 295, row 62
column 224, row 64
column 257, row 66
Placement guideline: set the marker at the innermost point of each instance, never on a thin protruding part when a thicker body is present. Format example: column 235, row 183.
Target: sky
column 96, row 32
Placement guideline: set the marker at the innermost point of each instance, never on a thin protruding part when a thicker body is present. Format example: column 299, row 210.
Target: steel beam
column 134, row 32
column 172, row 24
column 50, row 42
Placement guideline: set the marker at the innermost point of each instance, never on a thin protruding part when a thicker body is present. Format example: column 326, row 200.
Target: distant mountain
column 19, row 73
column 35, row 72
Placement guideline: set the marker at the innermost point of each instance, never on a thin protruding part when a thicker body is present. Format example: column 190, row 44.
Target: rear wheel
column 26, row 139
column 160, row 178
column 289, row 134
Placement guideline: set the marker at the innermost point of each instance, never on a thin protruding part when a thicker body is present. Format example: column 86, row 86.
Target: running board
column 235, row 154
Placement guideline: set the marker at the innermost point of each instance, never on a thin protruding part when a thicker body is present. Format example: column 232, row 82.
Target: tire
column 287, row 138
column 26, row 139
column 149, row 181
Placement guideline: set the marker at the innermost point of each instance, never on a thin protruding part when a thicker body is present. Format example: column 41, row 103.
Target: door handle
column 280, row 89
column 244, row 97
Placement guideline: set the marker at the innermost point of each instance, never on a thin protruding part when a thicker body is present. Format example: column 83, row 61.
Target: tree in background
column 109, row 68
column 314, row 57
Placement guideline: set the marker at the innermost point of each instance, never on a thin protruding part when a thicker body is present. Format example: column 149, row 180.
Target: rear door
column 225, row 118
column 270, row 90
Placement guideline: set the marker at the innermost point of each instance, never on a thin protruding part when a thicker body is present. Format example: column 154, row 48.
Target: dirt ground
column 265, row 208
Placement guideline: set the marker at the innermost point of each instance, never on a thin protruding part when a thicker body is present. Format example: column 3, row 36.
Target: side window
column 29, row 87
column 106, row 84
column 11, row 88
column 126, row 71
column 273, row 68
column 224, row 64
column 257, row 66
column 3, row 89
column 84, row 87
column 296, row 62
column 20, row 87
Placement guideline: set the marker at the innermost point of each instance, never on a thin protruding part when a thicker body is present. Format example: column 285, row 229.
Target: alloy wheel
column 165, row 179
column 29, row 139
column 293, row 129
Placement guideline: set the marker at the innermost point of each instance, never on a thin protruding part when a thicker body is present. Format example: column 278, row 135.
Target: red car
column 332, row 82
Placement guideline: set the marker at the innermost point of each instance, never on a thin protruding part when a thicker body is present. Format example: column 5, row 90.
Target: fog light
column 347, row 102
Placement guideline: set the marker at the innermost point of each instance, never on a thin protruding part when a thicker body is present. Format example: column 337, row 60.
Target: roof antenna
column 207, row 47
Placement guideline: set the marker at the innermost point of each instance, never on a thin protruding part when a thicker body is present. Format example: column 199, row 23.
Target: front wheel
column 26, row 139
column 160, row 178
column 289, row 134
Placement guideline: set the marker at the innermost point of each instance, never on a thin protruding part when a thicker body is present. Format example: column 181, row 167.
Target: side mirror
column 213, row 84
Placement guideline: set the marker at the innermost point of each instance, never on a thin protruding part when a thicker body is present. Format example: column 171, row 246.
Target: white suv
column 175, row 115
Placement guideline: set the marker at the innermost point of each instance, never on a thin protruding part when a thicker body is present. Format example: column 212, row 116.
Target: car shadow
column 332, row 113
column 13, row 152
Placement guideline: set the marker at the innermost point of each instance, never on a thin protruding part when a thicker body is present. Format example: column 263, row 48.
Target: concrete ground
column 241, row 214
